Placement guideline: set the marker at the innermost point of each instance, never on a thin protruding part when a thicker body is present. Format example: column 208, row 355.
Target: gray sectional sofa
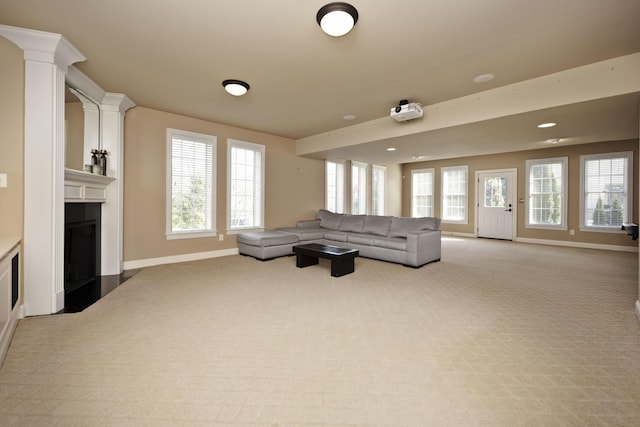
column 408, row 241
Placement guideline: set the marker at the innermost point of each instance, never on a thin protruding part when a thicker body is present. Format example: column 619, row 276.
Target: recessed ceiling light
column 546, row 125
column 391, row 149
column 337, row 19
column 483, row 78
column 348, row 117
column 235, row 87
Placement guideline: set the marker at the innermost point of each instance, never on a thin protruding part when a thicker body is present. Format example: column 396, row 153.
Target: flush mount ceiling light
column 236, row 87
column 391, row 149
column 483, row 78
column 546, row 125
column 553, row 140
column 337, row 19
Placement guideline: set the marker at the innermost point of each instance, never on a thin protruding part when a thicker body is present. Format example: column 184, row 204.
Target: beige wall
column 517, row 160
column 294, row 185
column 394, row 190
column 11, row 138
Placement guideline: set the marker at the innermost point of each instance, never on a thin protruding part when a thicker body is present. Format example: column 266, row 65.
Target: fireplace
column 81, row 255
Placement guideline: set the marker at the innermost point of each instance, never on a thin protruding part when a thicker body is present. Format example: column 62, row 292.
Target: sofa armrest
column 308, row 223
column 423, row 246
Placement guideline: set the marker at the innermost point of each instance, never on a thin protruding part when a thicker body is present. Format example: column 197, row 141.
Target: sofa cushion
column 361, row 239
column 329, row 219
column 378, row 225
column 400, row 227
column 352, row 223
column 308, row 223
column 336, row 236
column 266, row 238
column 304, row 234
column 397, row 243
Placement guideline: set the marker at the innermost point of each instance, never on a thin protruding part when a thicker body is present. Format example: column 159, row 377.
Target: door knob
column 508, row 210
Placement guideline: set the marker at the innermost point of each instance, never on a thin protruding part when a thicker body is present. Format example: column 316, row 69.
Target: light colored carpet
column 496, row 334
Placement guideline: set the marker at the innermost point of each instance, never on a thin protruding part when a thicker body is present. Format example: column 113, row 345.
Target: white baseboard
column 638, row 310
column 454, row 234
column 633, row 249
column 149, row 262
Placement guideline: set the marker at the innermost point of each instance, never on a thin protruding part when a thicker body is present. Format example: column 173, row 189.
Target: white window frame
column 628, row 206
column 564, row 161
column 443, row 194
column 378, row 190
column 335, row 200
column 210, row 229
column 362, row 188
column 430, row 192
column 258, row 189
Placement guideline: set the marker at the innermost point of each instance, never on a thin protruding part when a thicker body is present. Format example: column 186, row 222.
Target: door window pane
column 495, row 192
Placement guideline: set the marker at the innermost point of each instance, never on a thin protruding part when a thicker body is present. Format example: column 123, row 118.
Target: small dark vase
column 103, row 162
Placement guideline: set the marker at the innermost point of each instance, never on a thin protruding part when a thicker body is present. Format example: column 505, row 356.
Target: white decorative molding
column 83, row 187
column 112, row 109
column 77, row 79
column 638, row 309
column 45, row 47
column 150, row 262
column 9, row 315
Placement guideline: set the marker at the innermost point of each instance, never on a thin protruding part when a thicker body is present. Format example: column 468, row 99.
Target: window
column 547, row 193
column 334, row 174
column 605, row 186
column 245, row 185
column 378, row 184
column 358, row 188
column 191, row 159
column 421, row 192
column 454, row 194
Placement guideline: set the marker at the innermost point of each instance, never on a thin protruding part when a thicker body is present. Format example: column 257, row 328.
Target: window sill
column 613, row 230
column 191, row 235
column 454, row 221
column 547, row 227
column 243, row 230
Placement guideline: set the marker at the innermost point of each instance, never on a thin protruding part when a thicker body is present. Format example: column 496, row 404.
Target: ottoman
column 266, row 244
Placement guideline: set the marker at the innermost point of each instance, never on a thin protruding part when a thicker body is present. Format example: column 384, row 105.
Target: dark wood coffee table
column 341, row 258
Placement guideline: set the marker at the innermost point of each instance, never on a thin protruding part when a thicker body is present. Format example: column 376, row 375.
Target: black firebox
column 81, row 255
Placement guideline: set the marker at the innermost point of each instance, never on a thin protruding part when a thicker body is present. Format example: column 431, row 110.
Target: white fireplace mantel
column 48, row 61
column 83, row 187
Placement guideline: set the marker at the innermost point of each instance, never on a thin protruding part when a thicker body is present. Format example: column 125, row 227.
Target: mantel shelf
column 89, row 178
column 83, row 187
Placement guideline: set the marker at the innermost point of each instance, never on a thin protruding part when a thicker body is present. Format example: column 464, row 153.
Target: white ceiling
column 173, row 55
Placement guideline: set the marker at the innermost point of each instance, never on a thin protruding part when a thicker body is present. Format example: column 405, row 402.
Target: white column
column 47, row 57
column 638, row 300
column 113, row 108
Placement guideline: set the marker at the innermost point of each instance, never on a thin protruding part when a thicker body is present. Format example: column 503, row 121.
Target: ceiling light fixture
column 348, row 117
column 553, row 140
column 236, row 87
column 337, row 19
column 483, row 78
column 391, row 149
column 546, row 125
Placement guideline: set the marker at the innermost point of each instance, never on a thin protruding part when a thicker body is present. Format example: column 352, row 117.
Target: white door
column 496, row 205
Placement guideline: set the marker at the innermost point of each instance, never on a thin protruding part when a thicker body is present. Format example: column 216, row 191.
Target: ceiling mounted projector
column 406, row 111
